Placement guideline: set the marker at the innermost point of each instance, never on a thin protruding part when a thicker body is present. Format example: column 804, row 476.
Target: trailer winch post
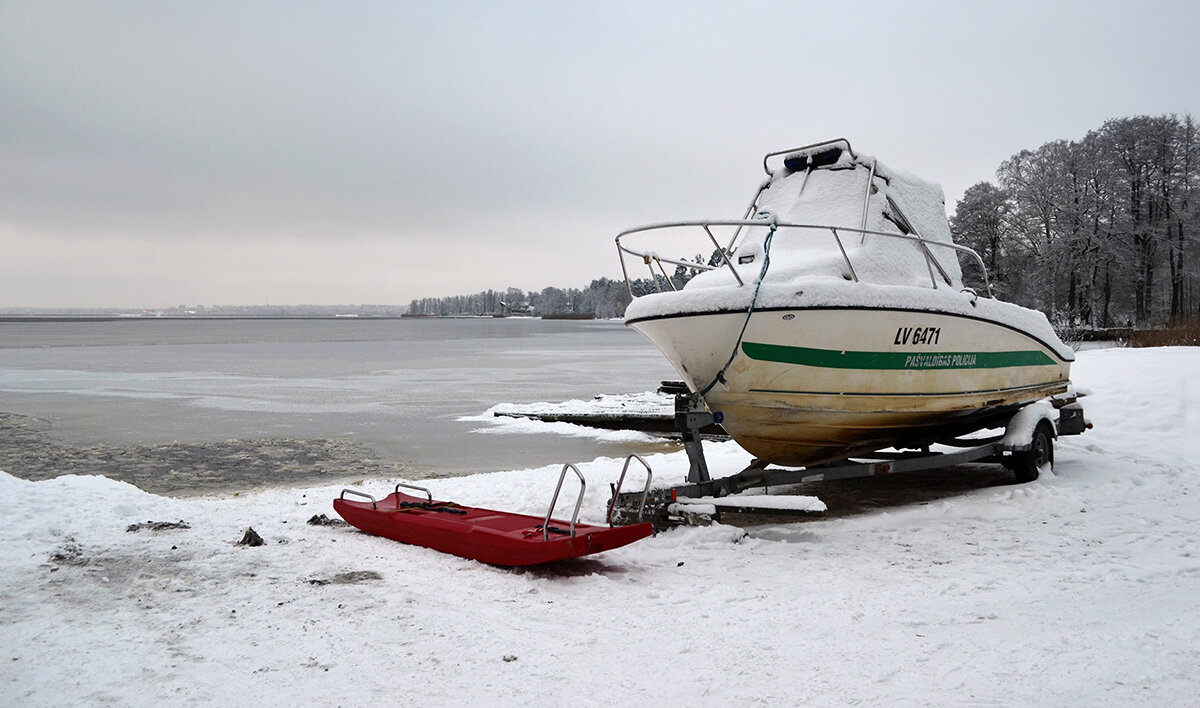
column 690, row 416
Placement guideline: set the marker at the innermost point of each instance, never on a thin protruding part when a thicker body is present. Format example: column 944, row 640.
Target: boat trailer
column 1025, row 447
column 510, row 539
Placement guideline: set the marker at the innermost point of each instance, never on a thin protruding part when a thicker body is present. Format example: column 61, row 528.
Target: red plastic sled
column 495, row 537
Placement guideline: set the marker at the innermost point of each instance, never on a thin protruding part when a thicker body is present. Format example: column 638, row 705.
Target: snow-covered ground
column 646, row 403
column 1082, row 588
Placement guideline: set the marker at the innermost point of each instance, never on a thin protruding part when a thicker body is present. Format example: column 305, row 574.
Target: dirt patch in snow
column 348, row 578
column 157, row 526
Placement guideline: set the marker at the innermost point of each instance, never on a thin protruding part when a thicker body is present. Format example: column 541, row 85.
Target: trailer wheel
column 1027, row 463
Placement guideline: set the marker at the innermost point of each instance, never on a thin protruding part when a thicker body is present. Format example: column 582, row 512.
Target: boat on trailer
column 832, row 319
column 831, row 335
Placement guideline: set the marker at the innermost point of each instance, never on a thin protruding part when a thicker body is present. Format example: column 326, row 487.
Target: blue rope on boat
column 753, row 301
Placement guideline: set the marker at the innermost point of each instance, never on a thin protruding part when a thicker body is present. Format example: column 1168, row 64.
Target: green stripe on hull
column 832, row 359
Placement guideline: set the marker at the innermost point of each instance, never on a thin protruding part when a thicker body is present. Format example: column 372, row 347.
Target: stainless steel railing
column 651, row 259
column 621, row 480
column 554, row 501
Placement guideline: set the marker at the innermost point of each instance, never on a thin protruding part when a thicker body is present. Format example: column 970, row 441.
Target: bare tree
column 981, row 222
column 1089, row 225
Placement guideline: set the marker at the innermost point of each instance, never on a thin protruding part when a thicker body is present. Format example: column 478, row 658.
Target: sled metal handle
column 412, row 486
column 557, row 489
column 621, row 480
column 357, row 493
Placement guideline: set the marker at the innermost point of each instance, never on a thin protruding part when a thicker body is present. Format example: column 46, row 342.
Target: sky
column 155, row 154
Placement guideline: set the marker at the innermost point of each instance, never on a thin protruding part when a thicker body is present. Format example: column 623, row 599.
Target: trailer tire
column 1027, row 463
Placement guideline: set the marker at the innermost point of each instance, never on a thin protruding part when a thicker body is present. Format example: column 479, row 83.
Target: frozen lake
column 397, row 386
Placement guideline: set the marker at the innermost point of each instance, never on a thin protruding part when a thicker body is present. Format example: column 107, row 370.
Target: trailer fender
column 1018, row 434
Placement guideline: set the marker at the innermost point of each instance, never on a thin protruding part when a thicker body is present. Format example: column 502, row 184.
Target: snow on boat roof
column 829, row 190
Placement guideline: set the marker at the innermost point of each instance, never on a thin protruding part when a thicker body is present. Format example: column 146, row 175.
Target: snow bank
column 528, row 426
column 1080, row 589
column 648, row 403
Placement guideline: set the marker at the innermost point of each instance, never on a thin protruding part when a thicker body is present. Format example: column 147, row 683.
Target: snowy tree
column 980, row 222
column 1088, row 226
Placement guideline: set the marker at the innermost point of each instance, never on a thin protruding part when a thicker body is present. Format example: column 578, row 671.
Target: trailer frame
column 684, row 504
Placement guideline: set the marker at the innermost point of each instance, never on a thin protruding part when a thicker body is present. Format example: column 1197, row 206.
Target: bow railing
column 724, row 253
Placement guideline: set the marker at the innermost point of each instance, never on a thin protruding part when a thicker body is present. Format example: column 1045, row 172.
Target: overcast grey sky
column 164, row 153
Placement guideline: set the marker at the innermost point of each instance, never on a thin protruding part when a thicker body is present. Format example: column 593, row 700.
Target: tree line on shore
column 603, row 298
column 1096, row 232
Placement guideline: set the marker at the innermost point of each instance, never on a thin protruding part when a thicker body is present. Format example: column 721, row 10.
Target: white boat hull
column 811, row 385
